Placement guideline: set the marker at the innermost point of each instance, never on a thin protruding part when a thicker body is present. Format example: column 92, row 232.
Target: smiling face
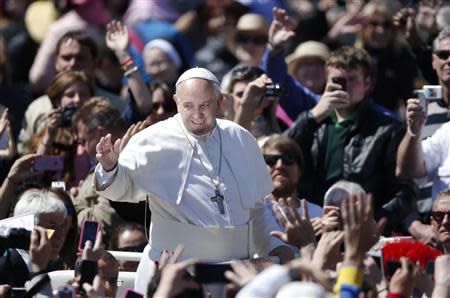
column 198, row 105
column 76, row 94
column 159, row 65
column 379, row 32
column 442, row 66
column 285, row 177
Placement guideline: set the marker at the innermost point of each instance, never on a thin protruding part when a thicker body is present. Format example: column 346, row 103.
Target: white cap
column 197, row 72
column 166, row 47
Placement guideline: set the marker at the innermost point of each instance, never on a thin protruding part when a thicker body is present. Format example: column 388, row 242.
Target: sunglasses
column 439, row 216
column 259, row 40
column 443, row 55
column 287, row 159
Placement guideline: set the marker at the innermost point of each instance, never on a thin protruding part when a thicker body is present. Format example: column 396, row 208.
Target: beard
column 284, row 191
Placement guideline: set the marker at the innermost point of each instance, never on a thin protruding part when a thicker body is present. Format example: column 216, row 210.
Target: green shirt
column 334, row 143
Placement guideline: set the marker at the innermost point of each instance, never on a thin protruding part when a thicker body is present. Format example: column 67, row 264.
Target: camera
column 14, row 238
column 275, row 90
column 67, row 113
column 427, row 93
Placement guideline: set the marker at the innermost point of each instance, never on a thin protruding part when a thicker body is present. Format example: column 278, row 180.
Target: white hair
column 39, row 201
column 166, row 47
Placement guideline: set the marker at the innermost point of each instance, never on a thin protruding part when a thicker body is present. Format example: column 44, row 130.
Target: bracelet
column 130, row 71
column 127, row 61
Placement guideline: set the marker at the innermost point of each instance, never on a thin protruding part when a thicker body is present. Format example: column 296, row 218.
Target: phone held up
column 206, row 273
column 88, row 232
column 341, row 81
column 133, row 294
column 48, row 163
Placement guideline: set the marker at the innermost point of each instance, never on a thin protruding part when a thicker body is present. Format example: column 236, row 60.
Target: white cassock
column 160, row 162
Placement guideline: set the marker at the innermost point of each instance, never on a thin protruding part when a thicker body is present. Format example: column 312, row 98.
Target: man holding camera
column 422, row 153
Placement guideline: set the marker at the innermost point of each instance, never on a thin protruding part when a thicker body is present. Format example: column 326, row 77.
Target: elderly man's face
column 197, row 105
column 441, row 63
column 55, row 221
column 284, row 170
column 440, row 219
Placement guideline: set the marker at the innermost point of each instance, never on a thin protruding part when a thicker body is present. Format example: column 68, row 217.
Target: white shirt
column 436, row 151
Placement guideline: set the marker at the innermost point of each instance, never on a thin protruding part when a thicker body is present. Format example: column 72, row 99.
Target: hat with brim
column 38, row 18
column 308, row 49
column 253, row 23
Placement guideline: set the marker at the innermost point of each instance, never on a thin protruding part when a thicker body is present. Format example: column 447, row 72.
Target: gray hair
column 445, row 33
column 214, row 85
column 39, row 201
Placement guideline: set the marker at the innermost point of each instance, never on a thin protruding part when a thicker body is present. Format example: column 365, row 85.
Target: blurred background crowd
column 328, row 87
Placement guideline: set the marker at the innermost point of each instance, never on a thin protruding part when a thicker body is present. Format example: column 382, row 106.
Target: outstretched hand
column 281, row 29
column 116, row 36
column 298, row 229
column 107, row 153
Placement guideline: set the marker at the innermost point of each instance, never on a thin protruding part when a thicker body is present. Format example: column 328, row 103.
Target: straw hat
column 38, row 18
column 308, row 49
column 254, row 23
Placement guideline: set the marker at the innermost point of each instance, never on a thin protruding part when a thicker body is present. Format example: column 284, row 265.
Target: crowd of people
column 282, row 146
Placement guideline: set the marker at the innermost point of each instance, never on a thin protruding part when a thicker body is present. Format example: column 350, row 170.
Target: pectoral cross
column 218, row 198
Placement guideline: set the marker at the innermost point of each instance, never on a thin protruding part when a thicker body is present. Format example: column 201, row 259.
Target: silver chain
column 216, row 185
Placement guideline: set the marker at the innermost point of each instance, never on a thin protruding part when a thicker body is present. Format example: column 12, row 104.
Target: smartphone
column 133, row 294
column 391, row 267
column 88, row 272
column 340, row 81
column 206, row 273
column 88, row 232
column 66, row 292
column 18, row 292
column 48, row 163
column 4, row 139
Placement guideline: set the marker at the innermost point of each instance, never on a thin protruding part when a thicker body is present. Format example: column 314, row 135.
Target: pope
column 205, row 180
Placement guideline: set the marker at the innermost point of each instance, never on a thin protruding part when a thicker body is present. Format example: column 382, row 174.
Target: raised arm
column 117, row 40
column 410, row 158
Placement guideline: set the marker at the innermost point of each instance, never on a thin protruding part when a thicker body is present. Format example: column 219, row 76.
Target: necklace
column 218, row 197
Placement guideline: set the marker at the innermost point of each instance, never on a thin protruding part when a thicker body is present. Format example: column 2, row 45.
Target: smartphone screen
column 48, row 163
column 133, row 294
column 66, row 292
column 211, row 273
column 88, row 232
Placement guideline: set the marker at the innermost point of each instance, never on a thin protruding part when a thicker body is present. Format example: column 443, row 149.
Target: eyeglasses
column 384, row 24
column 443, row 54
column 287, row 159
column 258, row 40
column 439, row 216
